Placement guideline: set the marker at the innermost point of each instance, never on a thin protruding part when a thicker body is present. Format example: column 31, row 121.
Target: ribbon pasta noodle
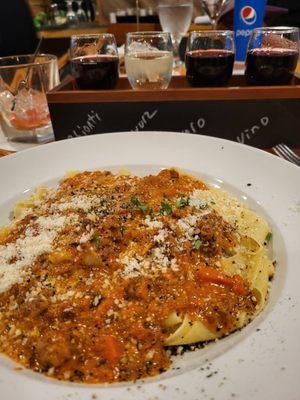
column 100, row 276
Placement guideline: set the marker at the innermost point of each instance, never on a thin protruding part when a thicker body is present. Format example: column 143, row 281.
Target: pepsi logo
column 248, row 15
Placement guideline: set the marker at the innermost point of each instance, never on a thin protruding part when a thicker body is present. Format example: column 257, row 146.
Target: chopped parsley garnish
column 143, row 207
column 197, row 244
column 122, row 229
column 165, row 208
column 268, row 237
column 96, row 239
column 182, row 202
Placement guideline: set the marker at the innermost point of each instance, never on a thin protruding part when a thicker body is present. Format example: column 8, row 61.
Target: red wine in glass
column 95, row 72
column 211, row 67
column 270, row 66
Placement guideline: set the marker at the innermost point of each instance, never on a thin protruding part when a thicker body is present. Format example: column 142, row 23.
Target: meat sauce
column 83, row 315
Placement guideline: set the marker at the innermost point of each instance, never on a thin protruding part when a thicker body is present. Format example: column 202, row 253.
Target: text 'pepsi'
column 248, row 14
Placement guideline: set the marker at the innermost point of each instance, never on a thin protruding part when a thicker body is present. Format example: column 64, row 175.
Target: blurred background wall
column 38, row 5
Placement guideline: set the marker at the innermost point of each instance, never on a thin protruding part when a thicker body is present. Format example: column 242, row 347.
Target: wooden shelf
column 67, row 33
column 119, row 30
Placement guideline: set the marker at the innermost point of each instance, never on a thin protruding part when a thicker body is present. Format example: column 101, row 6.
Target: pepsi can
column 248, row 14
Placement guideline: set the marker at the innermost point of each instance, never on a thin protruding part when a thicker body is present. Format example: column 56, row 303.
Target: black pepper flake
column 249, row 184
column 79, row 374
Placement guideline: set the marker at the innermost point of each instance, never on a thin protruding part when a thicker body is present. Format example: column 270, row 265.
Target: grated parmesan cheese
column 157, row 261
column 82, row 202
column 86, row 236
column 16, row 258
column 197, row 200
column 161, row 236
column 153, row 223
column 188, row 224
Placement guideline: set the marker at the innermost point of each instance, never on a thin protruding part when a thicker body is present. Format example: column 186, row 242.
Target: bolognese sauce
column 124, row 253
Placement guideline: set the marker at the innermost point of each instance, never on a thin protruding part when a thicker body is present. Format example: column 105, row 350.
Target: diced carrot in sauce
column 213, row 275
column 109, row 348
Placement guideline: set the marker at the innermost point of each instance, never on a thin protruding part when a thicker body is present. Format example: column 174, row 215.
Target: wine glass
column 272, row 56
column 53, row 14
column 214, row 8
column 81, row 15
column 71, row 16
column 137, row 11
column 175, row 16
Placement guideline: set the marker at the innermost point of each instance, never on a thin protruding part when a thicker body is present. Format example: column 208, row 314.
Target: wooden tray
column 179, row 89
column 260, row 116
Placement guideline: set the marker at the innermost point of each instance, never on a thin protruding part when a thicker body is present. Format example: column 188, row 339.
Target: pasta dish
column 103, row 275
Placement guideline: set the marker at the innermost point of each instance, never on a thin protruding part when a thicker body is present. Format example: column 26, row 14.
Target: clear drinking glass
column 95, row 61
column 149, row 60
column 213, row 9
column 175, row 16
column 24, row 114
column 272, row 56
column 209, row 58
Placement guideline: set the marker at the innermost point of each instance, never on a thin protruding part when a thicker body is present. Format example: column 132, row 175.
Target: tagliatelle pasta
column 100, row 276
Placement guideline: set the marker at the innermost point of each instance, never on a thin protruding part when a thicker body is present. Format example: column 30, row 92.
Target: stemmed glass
column 175, row 16
column 137, row 11
column 53, row 14
column 214, row 8
column 71, row 16
column 81, row 15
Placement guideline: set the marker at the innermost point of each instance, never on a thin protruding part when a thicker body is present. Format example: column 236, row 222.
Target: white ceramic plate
column 262, row 361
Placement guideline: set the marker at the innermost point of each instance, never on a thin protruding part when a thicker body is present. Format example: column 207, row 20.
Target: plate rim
column 138, row 133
